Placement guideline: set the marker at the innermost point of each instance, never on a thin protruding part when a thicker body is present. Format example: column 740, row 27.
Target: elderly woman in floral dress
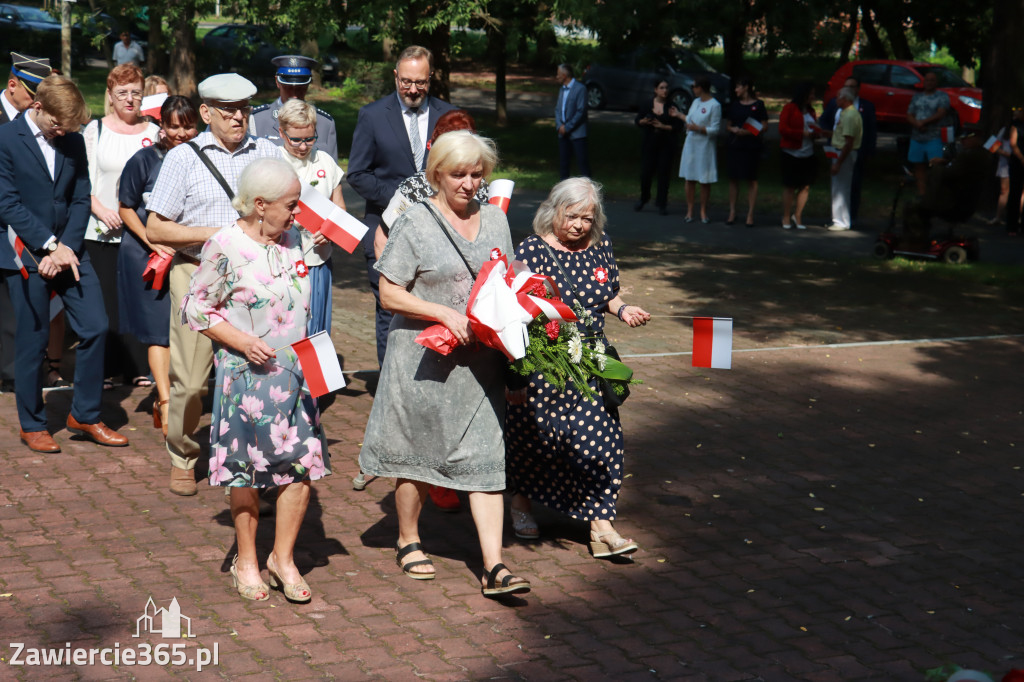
column 250, row 295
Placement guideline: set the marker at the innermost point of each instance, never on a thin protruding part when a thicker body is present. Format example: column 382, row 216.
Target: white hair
column 265, row 178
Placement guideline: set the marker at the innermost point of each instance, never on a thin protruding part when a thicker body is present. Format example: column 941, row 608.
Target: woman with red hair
column 109, row 143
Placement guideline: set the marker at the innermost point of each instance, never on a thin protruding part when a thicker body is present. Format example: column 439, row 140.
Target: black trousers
column 1013, row 223
column 124, row 356
column 656, row 160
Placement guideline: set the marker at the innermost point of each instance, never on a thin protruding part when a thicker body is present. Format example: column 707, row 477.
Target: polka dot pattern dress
column 561, row 450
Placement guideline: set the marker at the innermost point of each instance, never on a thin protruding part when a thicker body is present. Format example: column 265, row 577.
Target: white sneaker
column 838, row 228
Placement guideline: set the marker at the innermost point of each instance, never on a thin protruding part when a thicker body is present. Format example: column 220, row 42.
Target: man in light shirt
column 846, row 138
column 128, row 51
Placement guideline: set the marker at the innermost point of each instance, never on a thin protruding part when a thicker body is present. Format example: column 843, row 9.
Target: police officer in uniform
column 294, row 73
column 26, row 74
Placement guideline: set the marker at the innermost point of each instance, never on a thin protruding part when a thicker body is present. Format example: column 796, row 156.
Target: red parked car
column 889, row 84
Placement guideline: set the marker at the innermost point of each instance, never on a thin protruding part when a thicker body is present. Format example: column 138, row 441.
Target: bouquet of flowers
column 560, row 352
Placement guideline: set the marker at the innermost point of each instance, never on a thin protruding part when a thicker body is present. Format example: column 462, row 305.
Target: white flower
column 575, row 349
column 599, row 347
column 600, row 359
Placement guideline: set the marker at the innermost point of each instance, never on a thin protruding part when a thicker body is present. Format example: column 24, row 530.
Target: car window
column 902, row 77
column 689, row 62
column 33, row 14
column 947, row 79
column 218, row 32
column 870, row 74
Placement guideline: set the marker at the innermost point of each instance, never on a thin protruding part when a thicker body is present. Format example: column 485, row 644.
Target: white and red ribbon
column 501, row 306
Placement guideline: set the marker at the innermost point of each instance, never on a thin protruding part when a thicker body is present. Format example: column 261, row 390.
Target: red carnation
column 538, row 290
column 552, row 329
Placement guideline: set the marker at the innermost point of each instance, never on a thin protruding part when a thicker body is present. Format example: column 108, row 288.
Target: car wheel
column 595, row 97
column 882, row 250
column 681, row 100
column 957, row 255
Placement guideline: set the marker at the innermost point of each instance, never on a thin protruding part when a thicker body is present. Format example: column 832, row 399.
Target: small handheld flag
column 151, row 105
column 993, row 144
column 319, row 364
column 501, row 193
column 753, row 126
column 831, row 152
column 320, row 214
column 712, row 342
column 948, row 134
column 19, row 248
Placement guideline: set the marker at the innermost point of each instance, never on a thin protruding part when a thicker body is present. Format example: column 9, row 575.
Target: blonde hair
column 60, row 97
column 152, row 83
column 267, row 179
column 582, row 192
column 460, row 149
column 296, row 113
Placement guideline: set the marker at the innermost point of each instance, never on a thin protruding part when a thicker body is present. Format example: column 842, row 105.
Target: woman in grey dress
column 437, row 419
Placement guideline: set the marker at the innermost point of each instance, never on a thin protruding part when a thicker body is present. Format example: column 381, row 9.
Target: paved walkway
column 816, row 513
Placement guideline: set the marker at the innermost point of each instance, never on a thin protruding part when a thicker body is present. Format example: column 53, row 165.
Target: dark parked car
column 628, row 82
column 890, row 84
column 248, row 48
column 30, row 30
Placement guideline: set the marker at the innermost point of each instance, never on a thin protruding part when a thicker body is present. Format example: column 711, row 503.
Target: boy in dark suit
column 44, row 199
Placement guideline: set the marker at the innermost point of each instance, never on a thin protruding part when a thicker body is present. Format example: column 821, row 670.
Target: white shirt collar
column 9, row 108
column 423, row 108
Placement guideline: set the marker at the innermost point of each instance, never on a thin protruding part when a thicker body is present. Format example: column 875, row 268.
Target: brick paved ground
column 813, row 514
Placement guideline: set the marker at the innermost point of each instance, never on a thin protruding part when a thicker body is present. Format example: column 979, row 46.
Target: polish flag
column 712, row 342
column 993, row 144
column 319, row 364
column 831, row 152
column 19, row 248
column 151, row 105
column 501, row 194
column 948, row 134
column 753, row 125
column 320, row 214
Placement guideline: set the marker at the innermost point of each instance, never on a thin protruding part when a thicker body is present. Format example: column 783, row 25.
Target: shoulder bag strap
column 440, row 223
column 213, row 169
column 568, row 281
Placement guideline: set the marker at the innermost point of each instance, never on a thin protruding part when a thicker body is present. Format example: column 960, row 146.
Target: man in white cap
column 294, row 74
column 191, row 201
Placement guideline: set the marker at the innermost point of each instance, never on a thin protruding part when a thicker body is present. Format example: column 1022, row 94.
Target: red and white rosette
column 501, row 305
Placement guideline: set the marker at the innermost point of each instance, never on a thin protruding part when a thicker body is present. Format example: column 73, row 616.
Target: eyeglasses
column 122, row 95
column 54, row 124
column 585, row 219
column 229, row 112
column 299, row 141
column 407, row 83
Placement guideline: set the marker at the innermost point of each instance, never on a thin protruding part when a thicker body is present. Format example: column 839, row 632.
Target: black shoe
column 638, row 206
column 7, row 386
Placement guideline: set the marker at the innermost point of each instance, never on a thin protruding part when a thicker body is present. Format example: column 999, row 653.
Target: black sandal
column 54, row 368
column 510, row 584
column 415, row 575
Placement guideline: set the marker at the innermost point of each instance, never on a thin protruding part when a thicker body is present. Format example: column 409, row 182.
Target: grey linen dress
column 436, row 418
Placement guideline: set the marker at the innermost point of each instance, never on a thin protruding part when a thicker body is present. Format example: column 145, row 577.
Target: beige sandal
column 251, row 592
column 609, row 543
column 297, row 592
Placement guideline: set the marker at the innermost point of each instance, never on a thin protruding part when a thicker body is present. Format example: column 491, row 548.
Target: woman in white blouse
column 699, row 164
column 109, row 143
column 296, row 121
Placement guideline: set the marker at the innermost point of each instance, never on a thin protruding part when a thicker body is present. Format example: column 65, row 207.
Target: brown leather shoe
column 183, row 482
column 97, row 433
column 40, row 441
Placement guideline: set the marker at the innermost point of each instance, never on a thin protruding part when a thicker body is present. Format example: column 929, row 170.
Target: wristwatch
column 52, row 246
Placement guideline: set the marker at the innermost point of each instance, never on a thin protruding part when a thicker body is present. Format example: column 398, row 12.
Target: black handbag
column 612, row 399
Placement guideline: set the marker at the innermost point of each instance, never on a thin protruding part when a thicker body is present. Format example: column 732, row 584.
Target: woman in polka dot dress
column 561, row 450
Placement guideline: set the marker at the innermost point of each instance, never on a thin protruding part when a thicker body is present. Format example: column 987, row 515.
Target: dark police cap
column 30, row 70
column 294, row 69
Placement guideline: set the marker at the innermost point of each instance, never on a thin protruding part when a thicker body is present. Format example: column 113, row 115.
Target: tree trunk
column 183, row 52
column 497, row 50
column 734, row 40
column 849, row 36
column 876, row 48
column 891, row 19
column 309, row 47
column 547, row 41
column 156, row 59
column 1002, row 61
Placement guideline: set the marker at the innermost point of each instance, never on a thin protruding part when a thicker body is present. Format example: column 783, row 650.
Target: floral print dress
column 266, row 427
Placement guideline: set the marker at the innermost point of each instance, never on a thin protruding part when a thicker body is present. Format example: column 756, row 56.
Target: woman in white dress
column 296, row 121
column 699, row 164
column 109, row 143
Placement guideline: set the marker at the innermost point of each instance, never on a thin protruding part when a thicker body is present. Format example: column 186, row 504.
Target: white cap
column 227, row 87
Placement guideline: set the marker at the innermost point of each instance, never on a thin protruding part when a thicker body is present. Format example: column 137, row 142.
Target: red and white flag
column 993, row 144
column 948, row 134
column 501, row 193
column 752, row 125
column 19, row 248
column 151, row 105
column 831, row 152
column 320, row 214
column 319, row 364
column 712, row 342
